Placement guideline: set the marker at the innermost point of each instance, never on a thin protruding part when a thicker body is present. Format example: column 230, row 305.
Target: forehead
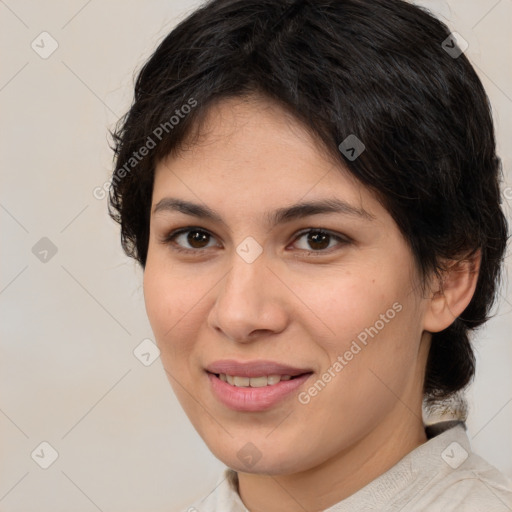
column 253, row 154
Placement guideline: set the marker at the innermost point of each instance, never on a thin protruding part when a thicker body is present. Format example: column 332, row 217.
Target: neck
column 340, row 476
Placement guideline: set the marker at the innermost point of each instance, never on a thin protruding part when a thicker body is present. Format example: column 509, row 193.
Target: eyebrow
column 279, row 216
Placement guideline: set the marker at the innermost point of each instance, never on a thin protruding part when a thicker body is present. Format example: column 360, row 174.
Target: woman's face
column 239, row 273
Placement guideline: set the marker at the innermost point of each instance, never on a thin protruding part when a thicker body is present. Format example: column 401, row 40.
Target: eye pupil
column 197, row 237
column 317, row 237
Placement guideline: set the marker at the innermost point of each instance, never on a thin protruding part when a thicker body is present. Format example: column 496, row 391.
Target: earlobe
column 453, row 293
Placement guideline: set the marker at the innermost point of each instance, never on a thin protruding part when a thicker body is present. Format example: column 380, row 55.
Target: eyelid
column 340, row 236
column 169, row 238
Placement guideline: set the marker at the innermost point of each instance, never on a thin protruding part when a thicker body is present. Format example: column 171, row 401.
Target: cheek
column 345, row 304
column 158, row 298
column 169, row 302
column 369, row 318
column 380, row 359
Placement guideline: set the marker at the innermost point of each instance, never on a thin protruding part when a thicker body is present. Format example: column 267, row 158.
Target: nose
column 251, row 302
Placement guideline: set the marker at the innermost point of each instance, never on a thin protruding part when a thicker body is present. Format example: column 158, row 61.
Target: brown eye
column 197, row 239
column 189, row 240
column 318, row 240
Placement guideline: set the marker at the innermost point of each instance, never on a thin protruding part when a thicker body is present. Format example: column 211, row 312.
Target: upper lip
column 254, row 368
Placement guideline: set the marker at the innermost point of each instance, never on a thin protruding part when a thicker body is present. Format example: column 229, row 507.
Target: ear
column 451, row 295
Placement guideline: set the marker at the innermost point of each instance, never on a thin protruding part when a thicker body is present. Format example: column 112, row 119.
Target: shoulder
column 476, row 486
column 461, row 481
column 442, row 475
column 223, row 497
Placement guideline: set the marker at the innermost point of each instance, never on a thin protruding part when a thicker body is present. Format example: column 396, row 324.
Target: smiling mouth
column 255, row 382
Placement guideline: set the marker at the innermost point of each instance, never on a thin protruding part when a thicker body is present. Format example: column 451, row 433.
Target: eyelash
column 169, row 239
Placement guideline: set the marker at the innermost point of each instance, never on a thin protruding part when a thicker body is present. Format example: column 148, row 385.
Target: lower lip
column 249, row 399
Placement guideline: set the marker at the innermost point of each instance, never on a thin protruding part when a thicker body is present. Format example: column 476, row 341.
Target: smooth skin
column 301, row 302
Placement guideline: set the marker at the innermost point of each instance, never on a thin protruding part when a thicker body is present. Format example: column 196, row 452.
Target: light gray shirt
column 441, row 475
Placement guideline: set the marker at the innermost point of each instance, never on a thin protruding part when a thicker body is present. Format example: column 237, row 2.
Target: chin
column 269, row 467
column 248, row 458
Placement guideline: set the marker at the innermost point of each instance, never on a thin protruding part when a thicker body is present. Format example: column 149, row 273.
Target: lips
column 239, row 385
column 257, row 368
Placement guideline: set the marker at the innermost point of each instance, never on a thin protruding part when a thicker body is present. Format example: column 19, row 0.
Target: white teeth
column 241, row 382
column 253, row 382
column 273, row 379
column 259, row 382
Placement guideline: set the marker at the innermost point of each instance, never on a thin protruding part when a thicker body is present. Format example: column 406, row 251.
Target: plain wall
column 69, row 325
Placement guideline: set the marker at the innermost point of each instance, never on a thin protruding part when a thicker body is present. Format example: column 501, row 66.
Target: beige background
column 68, row 375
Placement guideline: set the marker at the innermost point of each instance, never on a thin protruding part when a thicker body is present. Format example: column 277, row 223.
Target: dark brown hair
column 381, row 70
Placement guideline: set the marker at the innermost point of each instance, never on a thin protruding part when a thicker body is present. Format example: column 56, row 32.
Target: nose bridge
column 247, row 300
column 245, row 283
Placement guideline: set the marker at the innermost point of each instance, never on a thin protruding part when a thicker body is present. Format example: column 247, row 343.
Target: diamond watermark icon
column 44, row 45
column 146, row 352
column 249, row 250
column 351, row 147
column 44, row 250
column 44, row 455
column 454, row 45
column 454, row 455
column 249, row 454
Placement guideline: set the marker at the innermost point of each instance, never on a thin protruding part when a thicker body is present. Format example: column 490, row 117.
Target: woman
column 312, row 190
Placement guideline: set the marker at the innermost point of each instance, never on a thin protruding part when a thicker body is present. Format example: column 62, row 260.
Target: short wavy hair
column 380, row 69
